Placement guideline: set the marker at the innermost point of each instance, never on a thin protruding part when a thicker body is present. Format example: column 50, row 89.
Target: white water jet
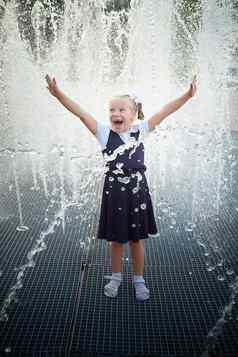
column 21, row 226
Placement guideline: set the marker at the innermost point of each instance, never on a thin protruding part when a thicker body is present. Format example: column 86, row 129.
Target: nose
column 116, row 113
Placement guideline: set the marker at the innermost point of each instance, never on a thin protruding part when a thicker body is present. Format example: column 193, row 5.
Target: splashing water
column 39, row 246
column 217, row 329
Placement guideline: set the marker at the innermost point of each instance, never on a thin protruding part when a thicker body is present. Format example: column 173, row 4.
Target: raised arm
column 172, row 106
column 69, row 104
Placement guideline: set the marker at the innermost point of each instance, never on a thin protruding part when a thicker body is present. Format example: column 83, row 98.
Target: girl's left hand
column 193, row 87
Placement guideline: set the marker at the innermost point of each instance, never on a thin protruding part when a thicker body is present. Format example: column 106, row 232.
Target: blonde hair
column 137, row 105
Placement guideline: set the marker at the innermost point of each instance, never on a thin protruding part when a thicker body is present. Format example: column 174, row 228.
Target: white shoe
column 142, row 293
column 111, row 289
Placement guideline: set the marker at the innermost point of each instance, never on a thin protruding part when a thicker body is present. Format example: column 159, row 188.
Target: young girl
column 126, row 207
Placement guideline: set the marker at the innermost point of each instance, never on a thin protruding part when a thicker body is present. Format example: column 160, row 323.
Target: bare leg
column 137, row 254
column 111, row 289
column 116, row 256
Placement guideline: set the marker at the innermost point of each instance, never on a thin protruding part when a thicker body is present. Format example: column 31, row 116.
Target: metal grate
column 61, row 309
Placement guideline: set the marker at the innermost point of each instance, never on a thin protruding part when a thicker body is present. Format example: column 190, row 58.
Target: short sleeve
column 102, row 134
column 142, row 126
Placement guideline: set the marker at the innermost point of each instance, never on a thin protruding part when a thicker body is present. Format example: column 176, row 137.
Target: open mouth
column 118, row 122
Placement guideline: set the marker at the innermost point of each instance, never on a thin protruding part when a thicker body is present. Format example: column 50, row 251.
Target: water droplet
column 119, row 208
column 221, row 278
column 133, row 225
column 190, row 226
column 230, row 272
column 107, row 192
column 8, row 349
column 124, row 180
column 58, row 221
column 111, row 178
column 188, row 229
column 199, row 242
column 216, row 248
column 123, row 189
column 136, row 209
column 135, row 190
column 211, row 268
column 22, row 228
column 143, row 206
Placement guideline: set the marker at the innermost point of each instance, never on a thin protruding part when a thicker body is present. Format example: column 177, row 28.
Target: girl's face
column 121, row 114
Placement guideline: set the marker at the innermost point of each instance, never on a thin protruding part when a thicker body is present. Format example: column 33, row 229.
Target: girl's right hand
column 52, row 85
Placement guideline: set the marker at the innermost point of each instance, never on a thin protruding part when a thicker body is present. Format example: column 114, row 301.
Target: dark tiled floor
column 61, row 309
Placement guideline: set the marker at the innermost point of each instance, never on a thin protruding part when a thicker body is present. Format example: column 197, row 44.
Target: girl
column 126, row 207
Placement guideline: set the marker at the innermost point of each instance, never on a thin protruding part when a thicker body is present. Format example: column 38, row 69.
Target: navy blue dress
column 126, row 207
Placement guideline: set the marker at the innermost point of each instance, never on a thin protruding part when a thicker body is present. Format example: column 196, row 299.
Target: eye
column 112, row 110
column 122, row 109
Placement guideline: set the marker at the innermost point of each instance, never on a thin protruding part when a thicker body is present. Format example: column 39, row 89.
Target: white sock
column 111, row 289
column 142, row 293
column 138, row 279
column 116, row 278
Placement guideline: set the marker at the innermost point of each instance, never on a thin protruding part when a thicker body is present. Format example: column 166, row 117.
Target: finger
column 48, row 80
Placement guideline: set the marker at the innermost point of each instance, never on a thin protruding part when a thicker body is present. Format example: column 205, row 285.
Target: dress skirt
column 126, row 208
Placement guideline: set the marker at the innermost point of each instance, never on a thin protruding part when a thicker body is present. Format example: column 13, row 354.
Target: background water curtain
column 94, row 49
